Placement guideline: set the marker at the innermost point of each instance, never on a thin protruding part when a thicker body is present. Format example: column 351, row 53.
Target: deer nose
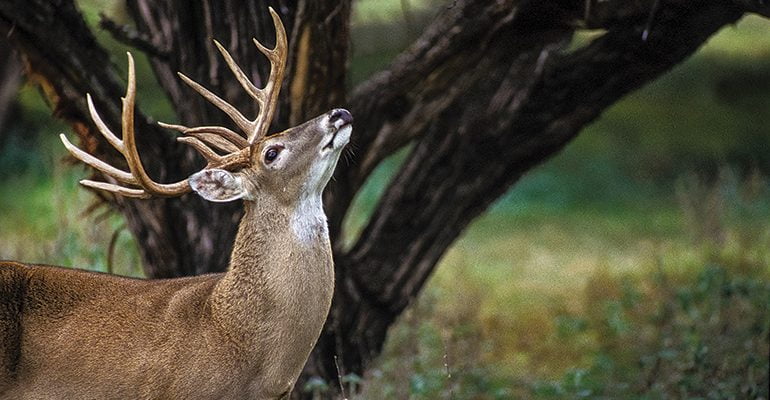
column 340, row 117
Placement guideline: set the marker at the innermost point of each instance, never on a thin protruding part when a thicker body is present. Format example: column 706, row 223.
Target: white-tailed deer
column 245, row 333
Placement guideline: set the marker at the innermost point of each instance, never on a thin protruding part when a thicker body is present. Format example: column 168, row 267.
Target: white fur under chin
column 309, row 220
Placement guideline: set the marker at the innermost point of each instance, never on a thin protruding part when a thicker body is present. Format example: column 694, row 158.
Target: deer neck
column 280, row 279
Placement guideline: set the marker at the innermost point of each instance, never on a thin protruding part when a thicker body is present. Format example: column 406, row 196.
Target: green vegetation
column 51, row 220
column 635, row 264
column 587, row 304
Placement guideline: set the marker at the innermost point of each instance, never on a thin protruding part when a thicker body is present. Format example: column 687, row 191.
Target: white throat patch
column 309, row 220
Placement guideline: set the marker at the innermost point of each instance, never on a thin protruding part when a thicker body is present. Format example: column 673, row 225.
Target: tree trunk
column 10, row 81
column 486, row 93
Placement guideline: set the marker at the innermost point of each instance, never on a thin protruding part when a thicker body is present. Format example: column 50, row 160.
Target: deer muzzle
column 340, row 126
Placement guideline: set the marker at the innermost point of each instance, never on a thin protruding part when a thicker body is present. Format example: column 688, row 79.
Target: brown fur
column 245, row 333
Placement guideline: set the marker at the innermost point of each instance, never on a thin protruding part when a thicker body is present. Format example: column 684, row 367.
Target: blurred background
column 636, row 260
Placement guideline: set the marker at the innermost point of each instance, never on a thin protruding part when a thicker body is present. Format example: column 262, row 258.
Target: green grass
column 593, row 304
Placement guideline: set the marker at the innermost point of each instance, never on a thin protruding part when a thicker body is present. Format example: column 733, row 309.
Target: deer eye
column 271, row 154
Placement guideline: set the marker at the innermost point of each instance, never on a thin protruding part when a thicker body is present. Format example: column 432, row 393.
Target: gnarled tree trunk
column 485, row 94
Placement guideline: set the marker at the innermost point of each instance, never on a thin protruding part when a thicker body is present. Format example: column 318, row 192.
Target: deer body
column 244, row 333
column 77, row 334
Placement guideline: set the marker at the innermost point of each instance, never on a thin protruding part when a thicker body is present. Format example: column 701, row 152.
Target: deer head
column 289, row 165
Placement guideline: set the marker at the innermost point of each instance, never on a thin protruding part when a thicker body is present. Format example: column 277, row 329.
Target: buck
column 244, row 333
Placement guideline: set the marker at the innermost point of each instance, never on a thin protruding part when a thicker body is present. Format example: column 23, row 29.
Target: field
column 635, row 264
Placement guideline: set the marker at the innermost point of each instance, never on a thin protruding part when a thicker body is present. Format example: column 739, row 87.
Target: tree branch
column 130, row 36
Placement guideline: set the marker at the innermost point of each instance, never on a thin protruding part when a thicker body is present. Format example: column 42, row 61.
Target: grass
column 589, row 304
column 44, row 213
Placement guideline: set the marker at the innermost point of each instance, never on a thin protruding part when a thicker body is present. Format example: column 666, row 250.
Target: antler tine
column 100, row 165
column 205, row 139
column 277, row 57
column 247, row 85
column 127, row 147
column 212, row 140
column 105, row 131
column 117, row 189
column 266, row 97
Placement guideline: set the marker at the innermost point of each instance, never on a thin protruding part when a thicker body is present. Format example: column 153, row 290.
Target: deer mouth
column 330, row 145
column 341, row 136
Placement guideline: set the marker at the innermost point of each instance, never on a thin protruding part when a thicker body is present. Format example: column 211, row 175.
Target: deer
column 243, row 333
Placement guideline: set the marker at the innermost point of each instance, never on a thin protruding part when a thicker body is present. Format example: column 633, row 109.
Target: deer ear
column 218, row 185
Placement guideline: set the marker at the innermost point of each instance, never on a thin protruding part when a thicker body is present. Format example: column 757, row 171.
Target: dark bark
column 10, row 81
column 484, row 95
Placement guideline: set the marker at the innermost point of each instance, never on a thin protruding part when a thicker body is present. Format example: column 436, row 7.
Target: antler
column 201, row 137
column 204, row 139
column 127, row 146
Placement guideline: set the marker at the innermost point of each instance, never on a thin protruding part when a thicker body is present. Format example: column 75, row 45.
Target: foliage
column 686, row 317
column 701, row 337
